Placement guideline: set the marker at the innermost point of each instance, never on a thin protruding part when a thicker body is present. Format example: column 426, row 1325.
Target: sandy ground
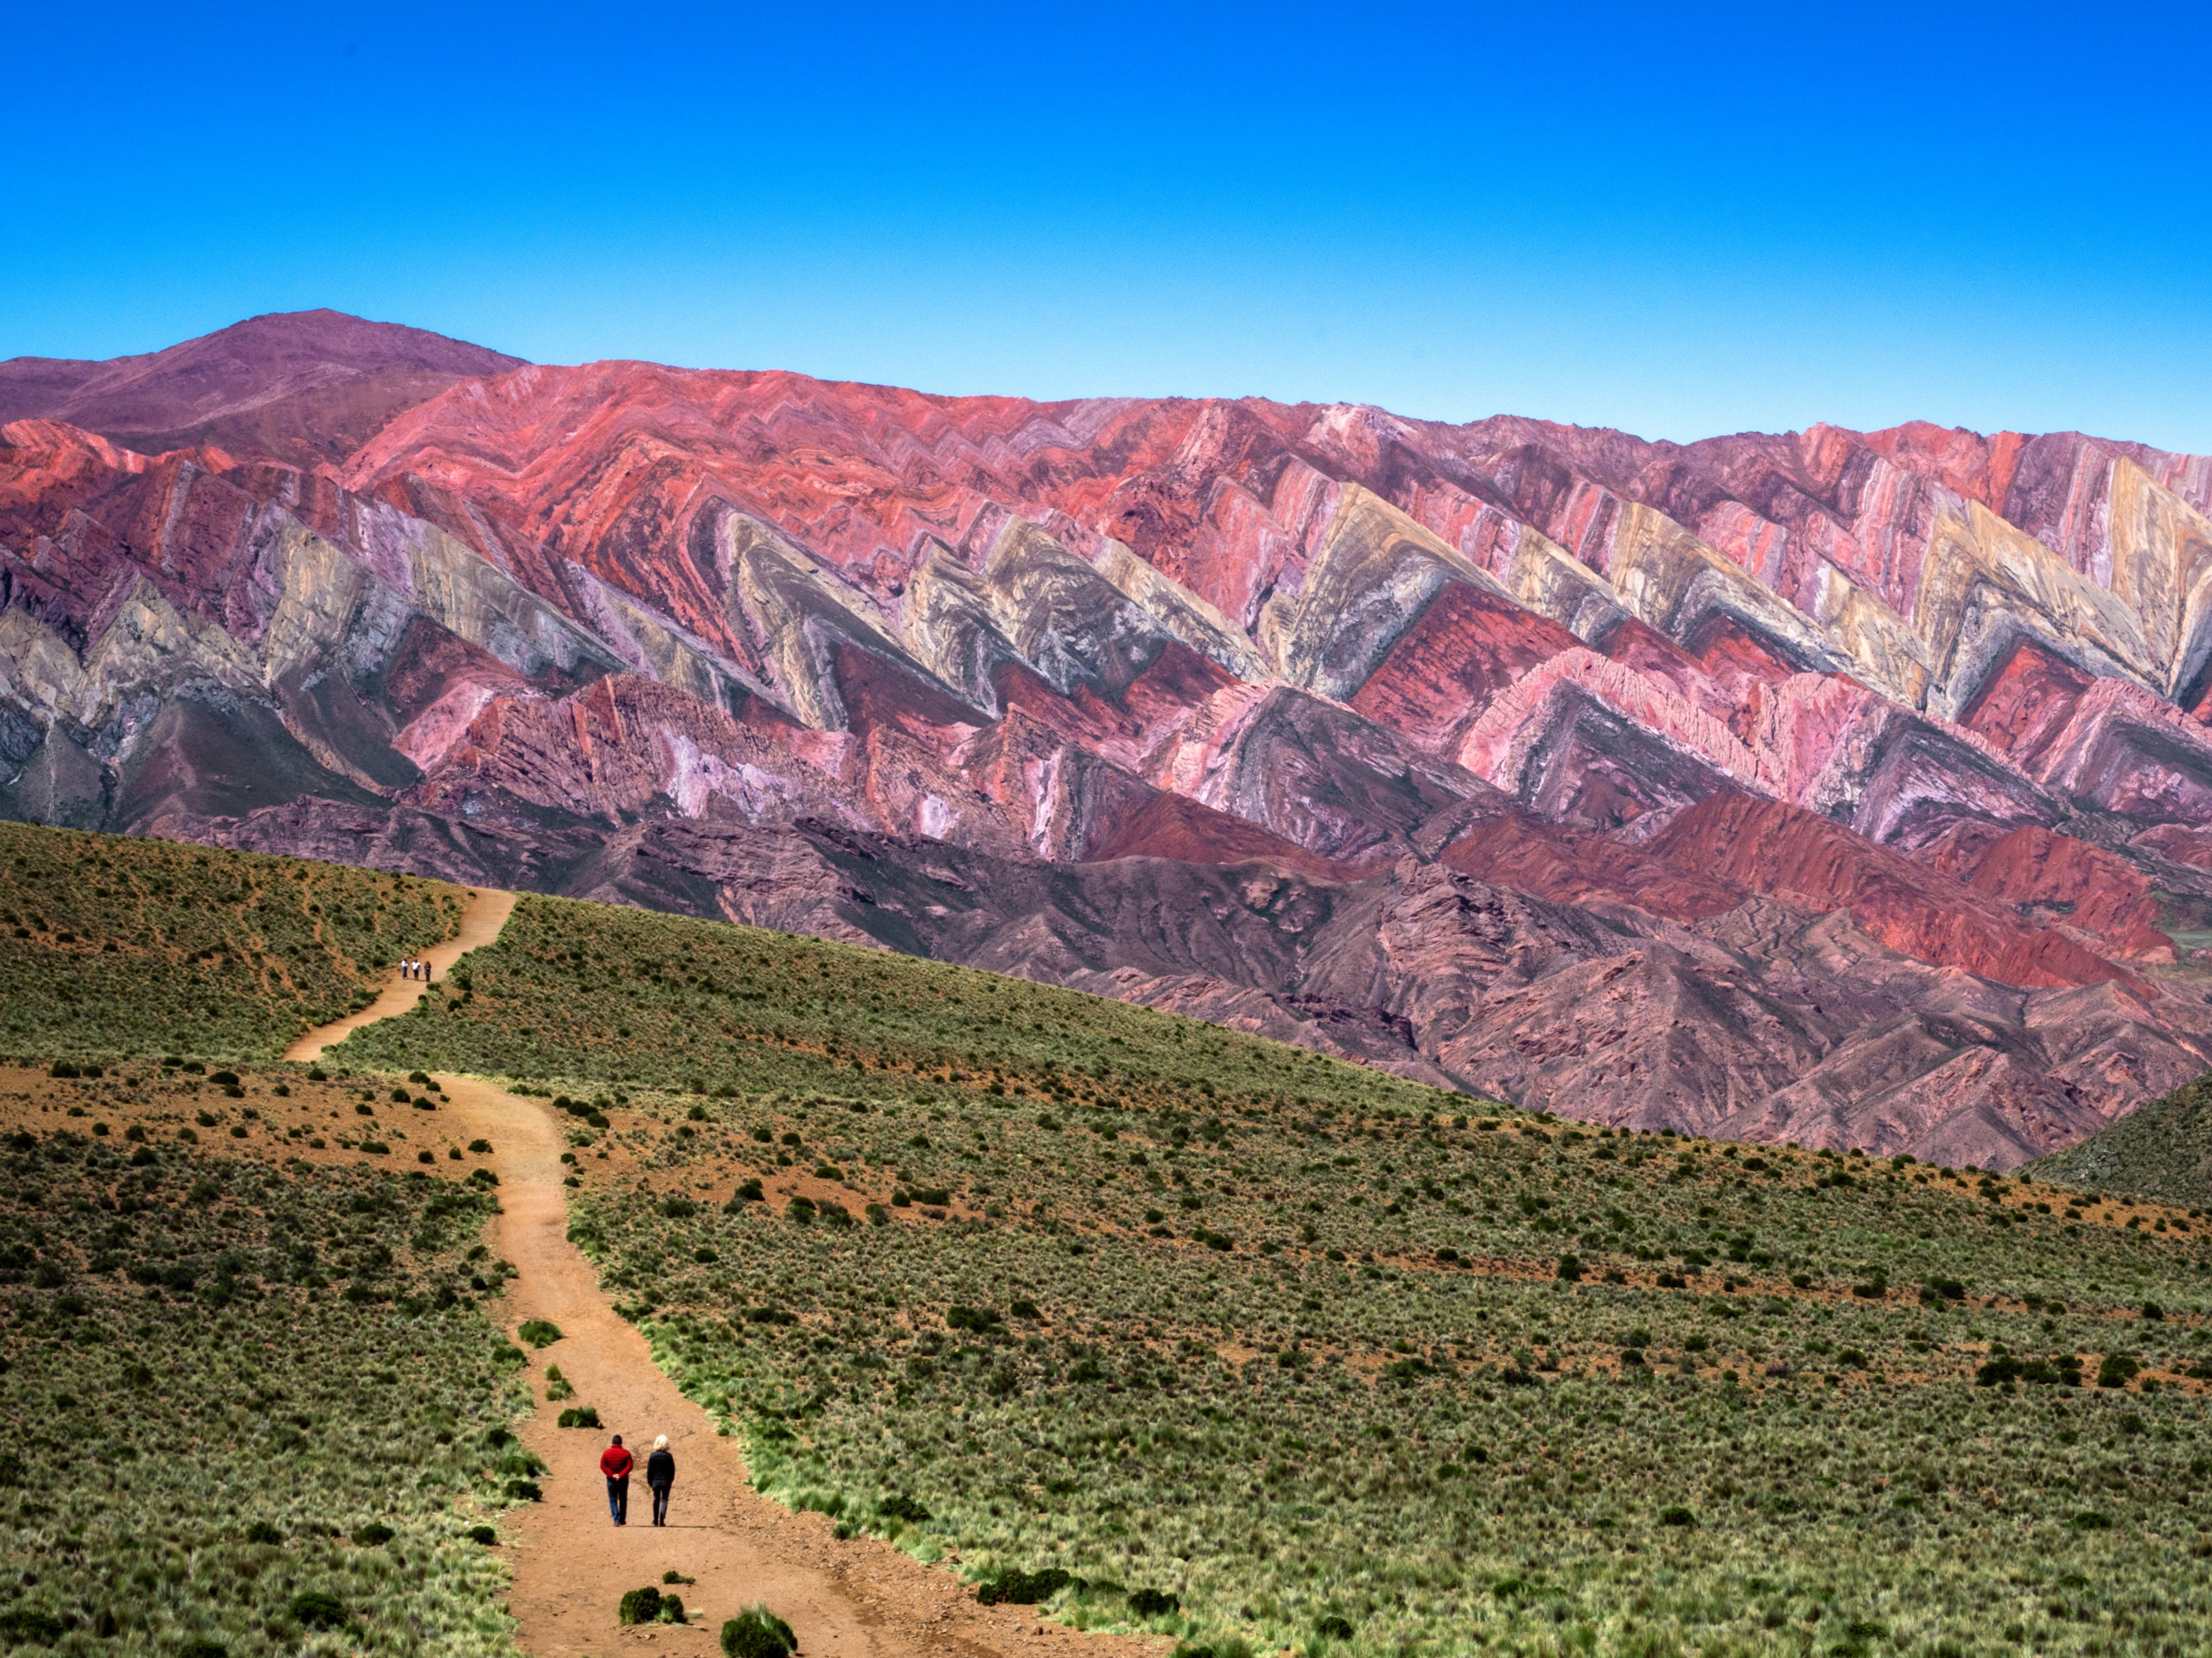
column 854, row 1598
column 482, row 917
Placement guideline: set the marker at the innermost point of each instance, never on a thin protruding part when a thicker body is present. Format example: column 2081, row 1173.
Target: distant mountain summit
column 302, row 386
column 1853, row 789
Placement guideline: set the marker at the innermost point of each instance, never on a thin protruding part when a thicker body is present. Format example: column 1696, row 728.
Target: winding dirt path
column 855, row 1599
column 482, row 917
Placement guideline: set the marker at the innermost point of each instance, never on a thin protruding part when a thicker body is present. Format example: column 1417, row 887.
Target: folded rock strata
column 1851, row 789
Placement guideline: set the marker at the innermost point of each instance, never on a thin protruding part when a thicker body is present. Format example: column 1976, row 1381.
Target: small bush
column 540, row 1332
column 638, row 1606
column 1333, row 1628
column 757, row 1632
column 262, row 1532
column 1015, row 1587
column 1677, row 1515
column 580, row 1415
column 1153, row 1603
column 315, row 1610
column 203, row 1649
column 902, row 1509
column 484, row 1534
column 373, row 1535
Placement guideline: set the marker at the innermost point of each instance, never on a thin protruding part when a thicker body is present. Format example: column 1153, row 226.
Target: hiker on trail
column 659, row 1475
column 406, row 969
column 616, row 1463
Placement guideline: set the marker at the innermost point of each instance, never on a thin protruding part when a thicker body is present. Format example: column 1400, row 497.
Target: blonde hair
column 660, row 1444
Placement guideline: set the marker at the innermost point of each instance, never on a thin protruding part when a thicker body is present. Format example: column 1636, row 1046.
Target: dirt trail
column 856, row 1599
column 482, row 917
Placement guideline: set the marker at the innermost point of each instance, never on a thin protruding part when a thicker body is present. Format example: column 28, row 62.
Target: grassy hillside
column 246, row 1401
column 1327, row 1359
column 2163, row 1151
column 112, row 946
column 598, row 993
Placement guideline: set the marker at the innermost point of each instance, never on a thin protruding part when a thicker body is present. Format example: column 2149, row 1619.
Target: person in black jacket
column 659, row 1475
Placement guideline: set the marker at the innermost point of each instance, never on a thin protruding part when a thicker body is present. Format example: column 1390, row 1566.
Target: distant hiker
column 659, row 1475
column 615, row 1463
column 406, row 969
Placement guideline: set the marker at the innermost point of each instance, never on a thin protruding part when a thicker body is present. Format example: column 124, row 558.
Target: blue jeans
column 660, row 1504
column 618, row 1500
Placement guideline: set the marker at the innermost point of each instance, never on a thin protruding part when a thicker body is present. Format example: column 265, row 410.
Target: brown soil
column 482, row 917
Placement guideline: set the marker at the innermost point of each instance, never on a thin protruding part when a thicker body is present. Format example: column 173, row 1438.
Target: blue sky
column 1678, row 220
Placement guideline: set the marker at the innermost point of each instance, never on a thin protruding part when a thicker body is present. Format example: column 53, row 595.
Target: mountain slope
column 2162, row 1150
column 1848, row 788
column 308, row 387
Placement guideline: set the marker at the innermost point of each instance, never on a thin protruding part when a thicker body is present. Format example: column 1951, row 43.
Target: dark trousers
column 618, row 1500
column 660, row 1504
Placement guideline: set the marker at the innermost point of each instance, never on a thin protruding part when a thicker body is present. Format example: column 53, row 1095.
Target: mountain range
column 1849, row 788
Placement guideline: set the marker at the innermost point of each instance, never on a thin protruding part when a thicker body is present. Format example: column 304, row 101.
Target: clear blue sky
column 1679, row 219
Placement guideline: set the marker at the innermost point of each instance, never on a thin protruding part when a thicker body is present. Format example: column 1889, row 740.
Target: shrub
column 372, row 1535
column 1677, row 1515
column 1153, row 1603
column 22, row 1623
column 202, row 1648
column 678, row 1208
column 580, row 1415
column 1333, row 1628
column 314, row 1610
column 638, row 1606
column 801, row 1209
column 262, row 1532
column 2116, row 1371
column 484, row 1534
column 902, row 1509
column 756, row 1632
column 540, row 1332
column 977, row 1319
column 1015, row 1587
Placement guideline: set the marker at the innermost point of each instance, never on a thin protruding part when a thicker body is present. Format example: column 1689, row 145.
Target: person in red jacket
column 615, row 1464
